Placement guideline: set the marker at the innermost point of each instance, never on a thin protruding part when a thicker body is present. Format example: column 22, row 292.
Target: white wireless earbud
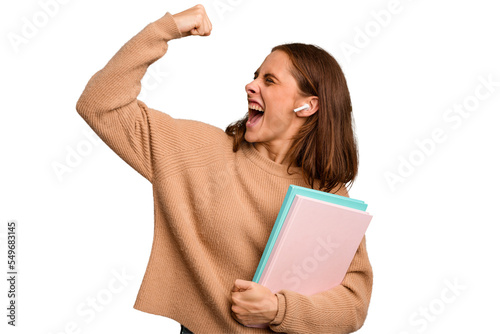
column 304, row 107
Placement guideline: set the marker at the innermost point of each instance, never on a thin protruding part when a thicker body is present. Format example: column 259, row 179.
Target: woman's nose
column 252, row 88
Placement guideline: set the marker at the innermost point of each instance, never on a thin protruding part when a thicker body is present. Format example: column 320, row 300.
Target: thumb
column 241, row 285
column 195, row 32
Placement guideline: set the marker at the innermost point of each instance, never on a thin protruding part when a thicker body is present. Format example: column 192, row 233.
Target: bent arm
column 342, row 309
column 109, row 102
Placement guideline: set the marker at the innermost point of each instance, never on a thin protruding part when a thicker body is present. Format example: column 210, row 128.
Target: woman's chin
column 249, row 137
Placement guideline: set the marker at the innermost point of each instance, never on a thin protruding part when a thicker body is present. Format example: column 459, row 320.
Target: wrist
column 273, row 308
column 280, row 310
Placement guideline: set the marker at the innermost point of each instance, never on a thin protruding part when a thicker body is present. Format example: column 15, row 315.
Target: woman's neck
column 275, row 151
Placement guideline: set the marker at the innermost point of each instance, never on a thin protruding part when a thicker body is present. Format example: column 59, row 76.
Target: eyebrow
column 256, row 74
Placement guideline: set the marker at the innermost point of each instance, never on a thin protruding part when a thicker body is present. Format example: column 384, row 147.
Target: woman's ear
column 313, row 103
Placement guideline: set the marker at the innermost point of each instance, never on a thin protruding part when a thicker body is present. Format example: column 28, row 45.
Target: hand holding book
column 253, row 303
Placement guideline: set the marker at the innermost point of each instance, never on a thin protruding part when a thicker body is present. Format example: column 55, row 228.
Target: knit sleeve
column 109, row 102
column 342, row 309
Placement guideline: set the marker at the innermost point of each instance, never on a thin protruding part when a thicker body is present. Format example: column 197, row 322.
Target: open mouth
column 255, row 113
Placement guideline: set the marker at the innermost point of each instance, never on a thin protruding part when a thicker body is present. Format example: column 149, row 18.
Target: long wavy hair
column 325, row 146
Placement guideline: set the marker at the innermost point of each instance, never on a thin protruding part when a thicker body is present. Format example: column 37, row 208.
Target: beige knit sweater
column 213, row 209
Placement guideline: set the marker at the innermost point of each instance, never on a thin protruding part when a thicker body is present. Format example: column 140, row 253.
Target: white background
column 434, row 227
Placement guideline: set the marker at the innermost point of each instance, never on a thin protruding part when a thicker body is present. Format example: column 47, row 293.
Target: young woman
column 217, row 193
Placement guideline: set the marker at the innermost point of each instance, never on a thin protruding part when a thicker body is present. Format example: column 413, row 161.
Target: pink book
column 315, row 246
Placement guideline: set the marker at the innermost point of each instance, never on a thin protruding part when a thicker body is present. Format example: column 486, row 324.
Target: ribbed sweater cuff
column 281, row 310
column 167, row 26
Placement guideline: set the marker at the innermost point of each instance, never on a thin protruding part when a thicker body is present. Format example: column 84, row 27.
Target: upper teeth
column 255, row 106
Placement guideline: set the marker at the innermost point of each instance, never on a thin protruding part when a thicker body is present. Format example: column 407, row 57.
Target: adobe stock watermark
column 153, row 78
column 363, row 36
column 421, row 319
column 74, row 155
column 34, row 23
column 453, row 118
column 88, row 310
column 303, row 270
column 222, row 7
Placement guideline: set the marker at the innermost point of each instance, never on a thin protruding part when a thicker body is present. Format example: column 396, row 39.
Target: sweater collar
column 268, row 165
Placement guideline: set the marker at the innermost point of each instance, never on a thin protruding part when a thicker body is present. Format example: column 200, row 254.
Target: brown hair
column 324, row 147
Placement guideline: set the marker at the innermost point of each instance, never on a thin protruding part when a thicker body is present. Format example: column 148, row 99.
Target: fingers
column 239, row 314
column 203, row 25
column 193, row 21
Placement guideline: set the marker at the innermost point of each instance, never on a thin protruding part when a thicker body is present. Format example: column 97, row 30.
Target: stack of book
column 313, row 241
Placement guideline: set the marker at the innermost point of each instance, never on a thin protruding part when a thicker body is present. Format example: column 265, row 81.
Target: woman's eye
column 269, row 80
